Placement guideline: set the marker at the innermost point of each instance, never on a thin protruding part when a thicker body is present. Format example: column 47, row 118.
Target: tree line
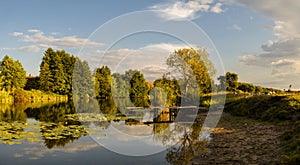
column 58, row 69
column 230, row 83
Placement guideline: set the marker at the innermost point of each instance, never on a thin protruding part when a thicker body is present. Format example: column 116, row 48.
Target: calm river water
column 68, row 133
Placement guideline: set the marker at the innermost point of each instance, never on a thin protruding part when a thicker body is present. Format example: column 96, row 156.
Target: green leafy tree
column 32, row 83
column 68, row 61
column 83, row 84
column 129, row 74
column 120, row 87
column 56, row 72
column 246, row 87
column 103, row 81
column 12, row 73
column 194, row 67
column 222, row 86
column 258, row 89
column 138, row 85
column 231, row 81
column 170, row 88
column 46, row 78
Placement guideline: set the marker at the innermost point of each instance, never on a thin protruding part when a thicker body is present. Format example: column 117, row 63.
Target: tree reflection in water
column 189, row 146
column 188, row 143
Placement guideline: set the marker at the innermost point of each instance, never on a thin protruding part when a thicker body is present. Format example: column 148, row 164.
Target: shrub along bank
column 20, row 95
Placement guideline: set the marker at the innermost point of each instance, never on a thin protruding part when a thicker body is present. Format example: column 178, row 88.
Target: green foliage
column 138, row 85
column 5, row 97
column 83, row 86
column 170, row 88
column 107, row 106
column 46, row 78
column 12, row 74
column 103, row 82
column 231, row 81
column 21, row 95
column 120, row 87
column 32, row 83
column 140, row 101
column 193, row 65
column 246, row 87
column 291, row 143
column 56, row 72
column 267, row 108
column 258, row 89
column 222, row 86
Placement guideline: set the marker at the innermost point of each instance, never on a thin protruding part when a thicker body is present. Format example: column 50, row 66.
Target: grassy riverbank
column 20, row 95
column 282, row 110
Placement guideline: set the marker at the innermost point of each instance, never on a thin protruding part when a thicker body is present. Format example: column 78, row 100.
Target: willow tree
column 194, row 68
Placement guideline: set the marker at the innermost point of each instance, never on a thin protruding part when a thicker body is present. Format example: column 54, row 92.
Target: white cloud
column 31, row 48
column 217, row 8
column 180, row 10
column 284, row 13
column 235, row 27
column 33, row 31
column 286, row 68
column 67, row 41
column 40, row 40
column 150, row 59
column 7, row 49
column 38, row 152
column 55, row 33
column 206, row 1
column 16, row 34
column 281, row 55
column 274, row 51
column 153, row 72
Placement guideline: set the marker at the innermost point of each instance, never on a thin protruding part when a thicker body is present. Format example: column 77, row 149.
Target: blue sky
column 259, row 40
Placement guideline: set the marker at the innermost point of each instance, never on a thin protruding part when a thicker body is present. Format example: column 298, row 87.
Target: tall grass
column 21, row 95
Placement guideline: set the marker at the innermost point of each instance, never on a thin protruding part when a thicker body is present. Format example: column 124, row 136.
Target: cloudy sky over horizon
column 258, row 39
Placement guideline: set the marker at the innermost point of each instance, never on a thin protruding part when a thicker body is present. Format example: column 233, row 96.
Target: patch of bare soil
column 239, row 140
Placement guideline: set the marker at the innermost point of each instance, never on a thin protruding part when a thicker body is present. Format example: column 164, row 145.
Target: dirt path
column 238, row 140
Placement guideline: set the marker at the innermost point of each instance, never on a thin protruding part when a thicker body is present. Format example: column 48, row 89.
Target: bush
column 20, row 95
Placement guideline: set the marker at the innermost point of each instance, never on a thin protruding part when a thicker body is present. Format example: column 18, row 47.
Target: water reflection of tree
column 86, row 105
column 51, row 113
column 56, row 129
column 10, row 113
column 60, row 138
column 187, row 142
column 107, row 106
column 187, row 147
